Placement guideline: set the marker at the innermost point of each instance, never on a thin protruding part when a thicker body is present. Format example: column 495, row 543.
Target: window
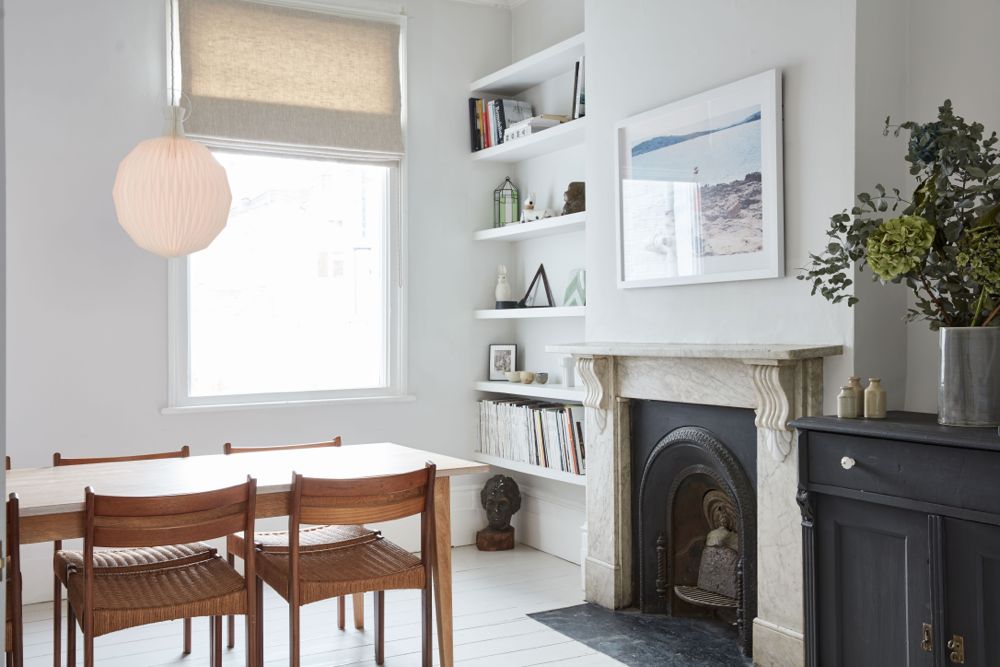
column 299, row 298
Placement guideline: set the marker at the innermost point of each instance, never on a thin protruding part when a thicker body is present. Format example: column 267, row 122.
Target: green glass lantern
column 506, row 204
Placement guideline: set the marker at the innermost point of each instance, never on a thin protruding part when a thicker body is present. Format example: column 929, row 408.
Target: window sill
column 322, row 402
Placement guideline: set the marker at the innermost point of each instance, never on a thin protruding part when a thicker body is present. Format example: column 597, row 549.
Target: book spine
column 576, row 86
column 501, row 120
column 472, row 124
column 581, row 94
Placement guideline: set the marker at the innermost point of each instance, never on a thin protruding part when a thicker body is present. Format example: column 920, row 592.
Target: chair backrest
column 364, row 500
column 129, row 521
column 229, row 449
column 182, row 453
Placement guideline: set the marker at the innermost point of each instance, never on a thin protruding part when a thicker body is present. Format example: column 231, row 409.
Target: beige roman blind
column 262, row 72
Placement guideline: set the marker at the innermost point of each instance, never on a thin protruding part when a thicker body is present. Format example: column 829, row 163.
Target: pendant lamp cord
column 178, row 113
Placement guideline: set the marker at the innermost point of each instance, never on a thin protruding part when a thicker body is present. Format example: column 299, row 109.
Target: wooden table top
column 48, row 491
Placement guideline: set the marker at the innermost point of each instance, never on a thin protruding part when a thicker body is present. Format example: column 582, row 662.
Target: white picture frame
column 688, row 208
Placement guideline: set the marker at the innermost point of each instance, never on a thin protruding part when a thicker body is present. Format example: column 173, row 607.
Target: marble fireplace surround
column 780, row 382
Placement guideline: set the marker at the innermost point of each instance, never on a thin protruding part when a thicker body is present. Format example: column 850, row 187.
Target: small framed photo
column 503, row 358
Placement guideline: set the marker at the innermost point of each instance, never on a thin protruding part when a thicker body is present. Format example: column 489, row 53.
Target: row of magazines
column 535, row 432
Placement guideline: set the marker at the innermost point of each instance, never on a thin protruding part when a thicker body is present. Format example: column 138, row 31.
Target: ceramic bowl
column 527, row 377
column 513, row 376
column 541, row 378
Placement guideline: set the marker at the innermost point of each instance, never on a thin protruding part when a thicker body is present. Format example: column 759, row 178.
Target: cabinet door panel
column 972, row 589
column 873, row 584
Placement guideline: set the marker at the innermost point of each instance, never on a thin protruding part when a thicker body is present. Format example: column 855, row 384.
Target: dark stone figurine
column 575, row 198
column 501, row 499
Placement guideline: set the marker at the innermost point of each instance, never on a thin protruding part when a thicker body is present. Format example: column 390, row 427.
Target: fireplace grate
column 703, row 598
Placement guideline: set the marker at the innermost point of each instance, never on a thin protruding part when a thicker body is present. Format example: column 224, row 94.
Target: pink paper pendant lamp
column 171, row 195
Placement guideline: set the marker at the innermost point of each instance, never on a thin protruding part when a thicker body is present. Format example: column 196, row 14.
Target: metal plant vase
column 969, row 392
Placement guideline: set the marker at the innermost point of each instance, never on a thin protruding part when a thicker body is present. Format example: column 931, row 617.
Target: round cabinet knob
column 847, row 463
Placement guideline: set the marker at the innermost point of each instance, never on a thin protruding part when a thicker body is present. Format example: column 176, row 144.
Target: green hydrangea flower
column 898, row 246
column 979, row 252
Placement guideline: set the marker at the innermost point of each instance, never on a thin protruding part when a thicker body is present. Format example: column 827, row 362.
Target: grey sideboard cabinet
column 901, row 542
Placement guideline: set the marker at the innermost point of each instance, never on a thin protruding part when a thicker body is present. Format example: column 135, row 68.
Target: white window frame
column 394, row 299
column 179, row 399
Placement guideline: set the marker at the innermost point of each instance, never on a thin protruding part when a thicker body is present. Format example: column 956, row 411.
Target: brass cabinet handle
column 926, row 643
column 847, row 463
column 957, row 646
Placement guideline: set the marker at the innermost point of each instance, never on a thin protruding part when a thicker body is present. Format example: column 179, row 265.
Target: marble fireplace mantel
column 780, row 382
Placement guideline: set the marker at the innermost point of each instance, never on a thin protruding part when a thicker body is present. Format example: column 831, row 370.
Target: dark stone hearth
column 642, row 640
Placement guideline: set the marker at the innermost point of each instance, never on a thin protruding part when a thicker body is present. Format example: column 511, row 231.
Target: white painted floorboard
column 493, row 592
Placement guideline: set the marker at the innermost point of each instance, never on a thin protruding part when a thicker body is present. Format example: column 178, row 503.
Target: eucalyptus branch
column 937, row 302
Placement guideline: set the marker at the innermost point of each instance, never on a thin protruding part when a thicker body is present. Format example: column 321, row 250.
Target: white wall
column 959, row 69
column 643, row 54
column 880, row 332
column 87, row 327
column 537, row 24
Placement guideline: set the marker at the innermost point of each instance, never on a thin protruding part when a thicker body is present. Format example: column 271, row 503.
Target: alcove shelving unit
column 518, row 80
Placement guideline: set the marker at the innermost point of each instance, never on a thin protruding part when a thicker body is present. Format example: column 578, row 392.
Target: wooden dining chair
column 307, row 573
column 14, row 626
column 109, row 599
column 111, row 558
column 317, row 535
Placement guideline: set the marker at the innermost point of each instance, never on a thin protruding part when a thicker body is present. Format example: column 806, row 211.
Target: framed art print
column 699, row 193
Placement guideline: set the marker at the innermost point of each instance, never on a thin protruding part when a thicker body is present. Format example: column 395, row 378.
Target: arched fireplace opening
column 697, row 532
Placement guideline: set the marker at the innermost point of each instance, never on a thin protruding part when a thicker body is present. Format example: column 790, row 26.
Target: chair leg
column 57, row 623
column 293, row 635
column 426, row 629
column 341, row 612
column 358, row 602
column 231, row 559
column 88, row 649
column 379, row 627
column 260, row 622
column 187, row 636
column 216, row 641
column 70, row 635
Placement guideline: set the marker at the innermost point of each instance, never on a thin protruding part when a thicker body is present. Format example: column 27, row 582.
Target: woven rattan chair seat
column 312, row 538
column 124, row 561
column 206, row 587
column 374, row 565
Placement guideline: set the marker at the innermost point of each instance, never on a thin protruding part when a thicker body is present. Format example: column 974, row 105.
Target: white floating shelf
column 563, row 224
column 551, row 393
column 544, row 142
column 533, row 70
column 530, row 313
column 531, row 469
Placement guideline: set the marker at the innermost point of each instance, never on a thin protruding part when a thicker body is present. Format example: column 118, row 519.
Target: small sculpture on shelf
column 575, row 198
column 503, row 294
column 501, row 499
column 528, row 212
column 532, row 298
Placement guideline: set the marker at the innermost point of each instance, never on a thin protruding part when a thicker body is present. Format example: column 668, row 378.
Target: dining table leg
column 442, row 570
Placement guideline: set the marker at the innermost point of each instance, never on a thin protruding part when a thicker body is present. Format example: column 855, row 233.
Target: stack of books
column 543, row 434
column 489, row 118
